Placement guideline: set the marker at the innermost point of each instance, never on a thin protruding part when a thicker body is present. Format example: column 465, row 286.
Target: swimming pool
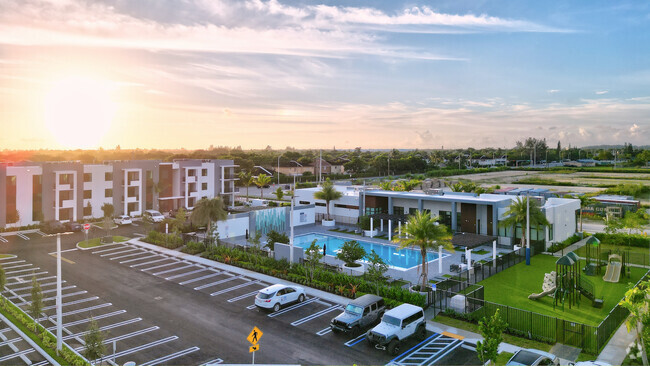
column 402, row 259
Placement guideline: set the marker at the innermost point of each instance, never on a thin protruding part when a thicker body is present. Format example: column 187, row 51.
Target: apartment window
column 304, row 202
column 321, row 204
column 37, row 198
column 88, row 210
column 133, row 192
column 133, row 176
column 108, row 176
column 88, row 194
column 204, row 172
column 191, row 172
column 349, row 207
column 373, row 210
column 88, row 177
column 412, row 210
column 204, row 186
column 397, row 210
column 108, row 193
column 550, row 232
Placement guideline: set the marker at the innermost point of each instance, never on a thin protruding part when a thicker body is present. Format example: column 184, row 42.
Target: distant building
column 326, row 168
column 612, row 205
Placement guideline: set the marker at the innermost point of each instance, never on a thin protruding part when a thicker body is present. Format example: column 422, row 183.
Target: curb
column 29, row 340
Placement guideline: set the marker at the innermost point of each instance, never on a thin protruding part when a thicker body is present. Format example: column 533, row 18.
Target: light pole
column 279, row 156
column 59, row 310
column 293, row 195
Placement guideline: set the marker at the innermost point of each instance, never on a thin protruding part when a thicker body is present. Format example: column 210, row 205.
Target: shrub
column 273, row 237
column 350, row 252
column 563, row 244
column 170, row 241
column 622, row 239
column 194, row 247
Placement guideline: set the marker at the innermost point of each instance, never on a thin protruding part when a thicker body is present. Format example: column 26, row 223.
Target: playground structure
column 593, row 257
column 548, row 287
column 614, row 265
column 570, row 285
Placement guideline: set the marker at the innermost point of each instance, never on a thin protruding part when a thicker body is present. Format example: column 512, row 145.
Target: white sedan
column 276, row 296
column 123, row 220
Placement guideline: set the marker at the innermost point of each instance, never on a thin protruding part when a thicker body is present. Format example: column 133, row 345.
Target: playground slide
column 613, row 272
column 541, row 294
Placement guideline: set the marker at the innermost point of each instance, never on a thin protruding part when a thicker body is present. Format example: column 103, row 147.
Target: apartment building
column 31, row 193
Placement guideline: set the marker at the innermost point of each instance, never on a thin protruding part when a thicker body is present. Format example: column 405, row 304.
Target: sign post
column 86, row 229
column 254, row 337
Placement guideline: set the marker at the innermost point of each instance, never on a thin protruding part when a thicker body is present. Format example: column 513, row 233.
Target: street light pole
column 59, row 311
column 293, row 195
column 279, row 168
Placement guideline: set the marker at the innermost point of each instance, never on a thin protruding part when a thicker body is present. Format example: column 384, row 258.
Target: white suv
column 397, row 325
column 153, row 216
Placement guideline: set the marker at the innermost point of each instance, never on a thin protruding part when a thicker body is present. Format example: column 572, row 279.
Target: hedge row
column 635, row 240
column 565, row 243
column 169, row 241
column 48, row 340
column 334, row 282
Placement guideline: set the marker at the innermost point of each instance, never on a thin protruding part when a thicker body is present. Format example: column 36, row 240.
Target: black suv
column 359, row 314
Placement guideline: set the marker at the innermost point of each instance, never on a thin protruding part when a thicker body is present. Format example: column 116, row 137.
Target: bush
column 169, row 241
column 563, row 244
column 194, row 247
column 628, row 189
column 622, row 239
column 273, row 237
column 350, row 252
column 364, row 223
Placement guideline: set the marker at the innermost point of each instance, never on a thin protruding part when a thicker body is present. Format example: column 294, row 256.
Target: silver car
column 533, row 357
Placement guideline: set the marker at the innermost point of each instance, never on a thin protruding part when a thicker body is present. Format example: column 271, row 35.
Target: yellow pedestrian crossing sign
column 254, row 348
column 255, row 336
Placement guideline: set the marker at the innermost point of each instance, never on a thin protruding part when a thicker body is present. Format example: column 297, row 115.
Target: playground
column 513, row 286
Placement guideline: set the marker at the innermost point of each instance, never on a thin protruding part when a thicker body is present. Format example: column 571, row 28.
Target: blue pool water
column 401, row 259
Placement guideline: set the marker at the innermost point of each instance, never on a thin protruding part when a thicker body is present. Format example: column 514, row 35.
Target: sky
column 313, row 74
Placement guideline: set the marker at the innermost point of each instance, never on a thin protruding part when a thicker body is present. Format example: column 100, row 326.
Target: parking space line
column 322, row 332
column 213, row 362
column 86, row 320
column 127, row 255
column 185, row 274
column 150, row 262
column 124, row 251
column 2, row 239
column 109, row 249
column 17, row 354
column 234, row 288
column 316, row 315
column 20, row 261
column 286, row 310
column 53, row 317
column 173, row 270
column 201, row 278
column 54, row 297
column 22, row 270
column 141, row 258
column 29, row 287
column 251, row 307
column 43, row 292
column 31, row 274
column 23, row 282
column 218, row 282
column 243, row 296
column 161, row 266
column 40, row 233
column 73, row 302
column 171, row 357
column 356, row 340
column 104, row 328
column 136, row 349
column 16, row 266
column 22, row 236
column 432, row 337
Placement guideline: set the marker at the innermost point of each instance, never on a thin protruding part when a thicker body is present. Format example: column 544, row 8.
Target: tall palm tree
column 206, row 211
column 261, row 181
column 247, row 179
column 516, row 215
column 328, row 193
column 425, row 232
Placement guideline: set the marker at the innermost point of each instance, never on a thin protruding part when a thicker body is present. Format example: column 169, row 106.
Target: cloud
column 601, row 92
column 634, row 129
column 553, row 91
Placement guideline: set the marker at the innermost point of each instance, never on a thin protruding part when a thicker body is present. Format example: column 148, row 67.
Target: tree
column 179, row 221
column 94, row 347
column 262, row 181
column 612, row 224
column 247, row 179
column 425, row 232
column 13, row 216
column 376, row 268
column 634, row 221
column 328, row 193
column 36, row 305
column 492, row 331
column 3, row 282
column 108, row 210
column 207, row 211
column 313, row 255
column 279, row 193
column 350, row 252
column 516, row 215
column 255, row 242
column 273, row 237
column 637, row 302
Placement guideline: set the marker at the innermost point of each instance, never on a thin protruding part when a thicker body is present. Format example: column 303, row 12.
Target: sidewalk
column 615, row 351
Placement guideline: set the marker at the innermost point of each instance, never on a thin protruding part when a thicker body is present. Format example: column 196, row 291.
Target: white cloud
column 601, row 92
column 553, row 91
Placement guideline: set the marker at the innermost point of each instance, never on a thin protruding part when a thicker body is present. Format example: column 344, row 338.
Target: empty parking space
column 14, row 350
column 428, row 352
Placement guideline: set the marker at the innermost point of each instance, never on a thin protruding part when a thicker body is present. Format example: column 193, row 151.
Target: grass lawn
column 503, row 357
column 512, row 287
column 480, row 252
column 95, row 242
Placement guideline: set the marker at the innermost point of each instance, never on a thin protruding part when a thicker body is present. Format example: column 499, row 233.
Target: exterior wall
column 97, row 187
column 54, row 191
column 121, row 186
column 3, row 194
column 303, row 215
column 343, row 210
column 291, row 170
column 235, row 225
column 24, row 176
column 561, row 213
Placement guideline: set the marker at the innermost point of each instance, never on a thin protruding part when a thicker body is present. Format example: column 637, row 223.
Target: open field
column 512, row 287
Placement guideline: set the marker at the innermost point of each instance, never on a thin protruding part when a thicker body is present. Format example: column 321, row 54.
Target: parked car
column 590, row 363
column 123, row 220
column 359, row 314
column 397, row 325
column 52, row 227
column 276, row 296
column 153, row 216
column 73, row 226
column 533, row 357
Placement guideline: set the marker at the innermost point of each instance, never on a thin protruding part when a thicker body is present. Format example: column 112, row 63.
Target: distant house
column 326, row 167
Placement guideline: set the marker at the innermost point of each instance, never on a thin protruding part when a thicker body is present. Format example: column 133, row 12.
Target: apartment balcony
column 66, row 203
column 190, row 179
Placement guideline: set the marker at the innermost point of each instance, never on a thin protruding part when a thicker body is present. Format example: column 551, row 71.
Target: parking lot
column 159, row 309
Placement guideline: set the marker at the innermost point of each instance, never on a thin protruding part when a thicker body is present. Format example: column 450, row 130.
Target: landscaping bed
column 96, row 242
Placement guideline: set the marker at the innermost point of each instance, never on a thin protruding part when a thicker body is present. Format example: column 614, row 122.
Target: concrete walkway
column 616, row 350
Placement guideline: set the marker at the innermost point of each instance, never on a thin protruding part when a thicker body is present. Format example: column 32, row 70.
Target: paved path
column 615, row 351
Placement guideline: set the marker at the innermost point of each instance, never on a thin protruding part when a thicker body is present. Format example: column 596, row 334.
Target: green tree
column 492, row 331
column 637, row 302
column 313, row 255
column 108, row 210
column 273, row 237
column 516, row 215
column 279, row 193
column 255, row 240
column 350, row 252
column 207, row 211
column 3, row 282
column 261, row 181
column 376, row 268
column 13, row 216
column 426, row 233
column 177, row 223
column 246, row 178
column 36, row 305
column 328, row 193
column 94, row 347
column 613, row 224
column 634, row 221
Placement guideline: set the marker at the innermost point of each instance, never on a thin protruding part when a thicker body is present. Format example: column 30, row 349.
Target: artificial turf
column 512, row 286
column 637, row 255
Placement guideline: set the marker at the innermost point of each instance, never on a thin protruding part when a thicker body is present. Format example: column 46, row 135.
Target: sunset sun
column 78, row 111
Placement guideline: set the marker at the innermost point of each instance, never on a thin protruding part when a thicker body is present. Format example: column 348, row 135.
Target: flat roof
column 446, row 197
column 615, row 198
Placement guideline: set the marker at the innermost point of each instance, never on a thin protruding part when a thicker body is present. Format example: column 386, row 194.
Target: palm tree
column 206, row 211
column 424, row 231
column 247, row 179
column 516, row 215
column 328, row 193
column 261, row 181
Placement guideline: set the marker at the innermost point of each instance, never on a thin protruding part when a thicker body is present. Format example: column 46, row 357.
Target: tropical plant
column 425, row 232
column 637, row 302
column 36, row 305
column 94, row 347
column 108, row 210
column 376, row 268
column 328, row 193
column 279, row 193
column 178, row 222
column 492, row 331
column 255, row 241
column 350, row 252
column 313, row 255
column 246, row 178
column 261, row 181
column 207, row 211
column 3, row 282
column 273, row 237
column 516, row 215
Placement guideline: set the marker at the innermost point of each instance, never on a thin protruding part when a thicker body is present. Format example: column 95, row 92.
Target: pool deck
column 411, row 275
